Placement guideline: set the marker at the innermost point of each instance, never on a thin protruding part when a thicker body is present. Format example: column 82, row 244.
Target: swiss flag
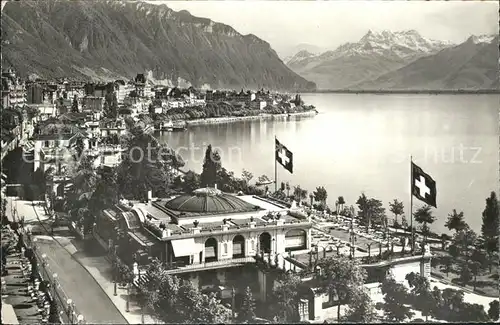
column 284, row 156
column 423, row 186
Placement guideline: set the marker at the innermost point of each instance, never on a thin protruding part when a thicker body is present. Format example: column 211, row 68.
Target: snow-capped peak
column 401, row 44
column 302, row 55
column 482, row 39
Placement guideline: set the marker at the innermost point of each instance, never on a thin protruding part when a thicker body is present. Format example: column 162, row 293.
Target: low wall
column 230, row 119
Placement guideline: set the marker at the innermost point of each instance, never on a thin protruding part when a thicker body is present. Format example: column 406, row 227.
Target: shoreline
column 232, row 119
column 407, row 91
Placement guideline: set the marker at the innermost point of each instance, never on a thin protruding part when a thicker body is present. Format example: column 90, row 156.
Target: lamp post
column 115, row 271
column 54, row 285
column 127, row 303
column 80, row 319
column 233, row 311
column 69, row 311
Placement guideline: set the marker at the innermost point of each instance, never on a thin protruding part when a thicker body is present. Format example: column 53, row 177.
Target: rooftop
column 208, row 201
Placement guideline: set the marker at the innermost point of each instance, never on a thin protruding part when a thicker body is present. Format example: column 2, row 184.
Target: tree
column 145, row 166
column 473, row 313
column 452, row 304
column 490, row 226
column 191, row 181
column 424, row 216
column 361, row 308
column 463, row 240
column 421, row 293
column 286, row 293
column 175, row 301
column 74, row 105
column 211, row 165
column 299, row 193
column 465, row 273
column 493, row 311
column 397, row 208
column 395, row 296
column 339, row 277
column 475, row 267
column 370, row 211
column 341, row 201
column 247, row 309
column 287, row 185
column 456, row 221
column 320, row 195
column 247, row 176
column 448, row 264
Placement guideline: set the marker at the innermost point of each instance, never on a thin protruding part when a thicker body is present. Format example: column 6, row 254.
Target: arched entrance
column 211, row 250
column 295, row 239
column 238, row 246
column 265, row 242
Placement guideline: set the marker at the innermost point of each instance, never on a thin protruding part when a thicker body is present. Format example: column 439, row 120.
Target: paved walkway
column 90, row 300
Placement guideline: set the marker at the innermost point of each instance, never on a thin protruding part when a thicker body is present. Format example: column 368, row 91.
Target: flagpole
column 275, row 167
column 411, row 206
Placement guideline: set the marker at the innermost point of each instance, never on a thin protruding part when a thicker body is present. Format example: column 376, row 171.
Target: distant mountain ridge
column 403, row 60
column 117, row 39
column 470, row 65
column 375, row 54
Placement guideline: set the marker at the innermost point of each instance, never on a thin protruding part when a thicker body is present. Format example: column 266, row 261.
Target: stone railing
column 210, row 265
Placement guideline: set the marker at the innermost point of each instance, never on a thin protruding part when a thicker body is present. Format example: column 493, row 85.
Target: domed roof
column 209, row 201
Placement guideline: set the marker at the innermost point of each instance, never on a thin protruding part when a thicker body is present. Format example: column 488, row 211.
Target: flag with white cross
column 284, row 156
column 423, row 186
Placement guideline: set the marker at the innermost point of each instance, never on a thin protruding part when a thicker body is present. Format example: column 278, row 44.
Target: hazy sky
column 285, row 24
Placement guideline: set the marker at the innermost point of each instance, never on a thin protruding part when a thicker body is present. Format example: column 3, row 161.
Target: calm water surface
column 363, row 143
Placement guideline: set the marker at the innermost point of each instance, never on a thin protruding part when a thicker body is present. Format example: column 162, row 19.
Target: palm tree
column 424, row 216
column 397, row 208
column 311, row 197
column 341, row 202
column 320, row 195
column 369, row 246
column 299, row 193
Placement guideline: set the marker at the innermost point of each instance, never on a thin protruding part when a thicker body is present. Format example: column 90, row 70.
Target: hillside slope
column 110, row 39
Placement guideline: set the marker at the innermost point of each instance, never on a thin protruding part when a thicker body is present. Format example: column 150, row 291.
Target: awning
column 185, row 247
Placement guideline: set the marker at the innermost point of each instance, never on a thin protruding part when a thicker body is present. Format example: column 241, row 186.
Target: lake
column 363, row 143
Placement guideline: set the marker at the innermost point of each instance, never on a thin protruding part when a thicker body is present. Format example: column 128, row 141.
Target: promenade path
column 90, row 299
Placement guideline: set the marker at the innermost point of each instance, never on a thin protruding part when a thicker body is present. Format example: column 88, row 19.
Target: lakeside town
column 91, row 234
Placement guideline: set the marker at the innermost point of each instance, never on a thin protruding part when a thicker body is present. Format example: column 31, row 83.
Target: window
column 47, row 144
column 57, row 143
column 253, row 244
column 225, row 248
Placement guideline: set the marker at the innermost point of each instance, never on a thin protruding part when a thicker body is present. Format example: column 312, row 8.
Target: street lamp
column 68, row 303
column 115, row 277
column 80, row 319
column 233, row 295
column 54, row 285
column 127, row 304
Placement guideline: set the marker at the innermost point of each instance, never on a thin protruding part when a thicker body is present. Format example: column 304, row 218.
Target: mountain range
column 402, row 60
column 109, row 39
